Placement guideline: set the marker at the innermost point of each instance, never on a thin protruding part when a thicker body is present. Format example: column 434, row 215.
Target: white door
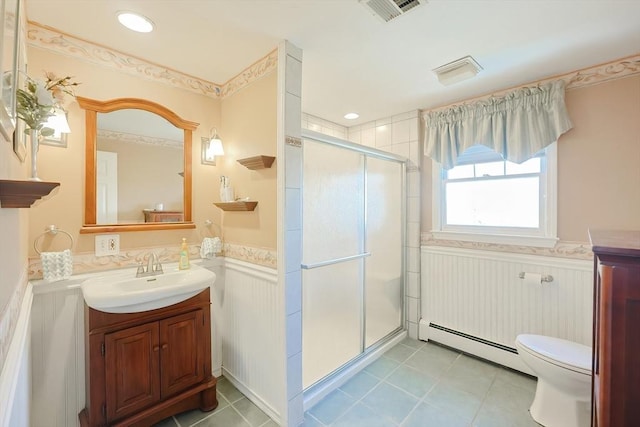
column 107, row 187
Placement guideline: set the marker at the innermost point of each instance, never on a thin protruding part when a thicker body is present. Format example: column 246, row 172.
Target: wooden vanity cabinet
column 144, row 367
column 616, row 329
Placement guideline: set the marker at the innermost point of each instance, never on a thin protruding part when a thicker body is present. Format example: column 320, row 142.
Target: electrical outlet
column 107, row 244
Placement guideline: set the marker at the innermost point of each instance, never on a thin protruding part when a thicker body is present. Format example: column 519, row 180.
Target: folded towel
column 56, row 265
column 210, row 246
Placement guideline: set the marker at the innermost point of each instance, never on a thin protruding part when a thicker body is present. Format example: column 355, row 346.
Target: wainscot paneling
column 472, row 295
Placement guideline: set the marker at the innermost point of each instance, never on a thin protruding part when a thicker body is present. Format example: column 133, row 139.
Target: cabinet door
column 132, row 365
column 182, row 352
column 618, row 403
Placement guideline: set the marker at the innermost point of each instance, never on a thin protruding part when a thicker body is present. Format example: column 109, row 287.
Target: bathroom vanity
column 143, row 367
column 616, row 324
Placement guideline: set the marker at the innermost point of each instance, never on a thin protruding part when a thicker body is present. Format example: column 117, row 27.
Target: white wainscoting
column 57, row 344
column 253, row 334
column 15, row 387
column 479, row 293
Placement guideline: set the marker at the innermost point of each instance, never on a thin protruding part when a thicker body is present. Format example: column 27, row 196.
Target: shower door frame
column 382, row 155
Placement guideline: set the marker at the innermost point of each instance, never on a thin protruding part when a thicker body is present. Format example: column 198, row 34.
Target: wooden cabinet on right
column 616, row 329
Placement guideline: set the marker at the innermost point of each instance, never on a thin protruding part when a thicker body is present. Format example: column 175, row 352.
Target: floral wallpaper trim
column 68, row 45
column 9, row 317
column 257, row 70
column 261, row 256
column 601, row 73
column 88, row 262
column 131, row 138
column 617, row 69
column 65, row 44
column 573, row 250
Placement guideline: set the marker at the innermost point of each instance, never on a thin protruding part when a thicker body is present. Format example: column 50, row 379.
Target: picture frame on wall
column 9, row 11
column 19, row 135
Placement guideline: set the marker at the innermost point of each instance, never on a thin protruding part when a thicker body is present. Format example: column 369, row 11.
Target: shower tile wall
column 399, row 134
column 292, row 154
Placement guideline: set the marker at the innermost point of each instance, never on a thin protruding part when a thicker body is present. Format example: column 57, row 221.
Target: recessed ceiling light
column 351, row 116
column 135, row 22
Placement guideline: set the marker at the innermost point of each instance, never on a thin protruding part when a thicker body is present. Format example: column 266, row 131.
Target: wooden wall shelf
column 237, row 206
column 257, row 162
column 22, row 194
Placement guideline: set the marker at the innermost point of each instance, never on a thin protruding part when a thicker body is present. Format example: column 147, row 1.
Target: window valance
column 517, row 125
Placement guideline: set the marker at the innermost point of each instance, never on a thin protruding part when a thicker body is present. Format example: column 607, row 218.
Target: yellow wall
column 249, row 129
column 246, row 122
column 598, row 162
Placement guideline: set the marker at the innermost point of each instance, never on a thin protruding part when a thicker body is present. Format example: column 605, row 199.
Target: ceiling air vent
column 458, row 70
column 390, row 9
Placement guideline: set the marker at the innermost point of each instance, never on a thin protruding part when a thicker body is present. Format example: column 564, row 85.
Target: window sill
column 534, row 241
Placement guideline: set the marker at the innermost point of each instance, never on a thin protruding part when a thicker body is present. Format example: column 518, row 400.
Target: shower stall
column 353, row 262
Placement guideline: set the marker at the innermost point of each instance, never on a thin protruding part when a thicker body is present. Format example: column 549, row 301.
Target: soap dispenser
column 183, row 264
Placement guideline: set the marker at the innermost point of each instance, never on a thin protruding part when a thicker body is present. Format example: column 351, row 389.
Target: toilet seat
column 565, row 354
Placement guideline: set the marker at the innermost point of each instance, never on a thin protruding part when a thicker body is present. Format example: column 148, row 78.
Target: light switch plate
column 107, row 244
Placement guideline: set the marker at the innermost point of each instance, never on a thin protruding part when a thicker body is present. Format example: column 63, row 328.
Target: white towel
column 210, row 246
column 56, row 265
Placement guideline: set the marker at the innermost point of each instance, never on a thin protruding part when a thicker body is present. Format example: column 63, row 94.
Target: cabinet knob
column 156, row 348
column 165, row 346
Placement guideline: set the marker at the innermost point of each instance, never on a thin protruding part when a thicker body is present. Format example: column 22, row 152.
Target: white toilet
column 563, row 368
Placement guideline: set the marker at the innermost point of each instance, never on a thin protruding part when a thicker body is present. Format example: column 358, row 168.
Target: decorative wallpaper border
column 261, row 256
column 613, row 70
column 573, row 250
column 255, row 71
column 88, row 262
column 139, row 139
column 9, row 317
column 49, row 38
column 604, row 72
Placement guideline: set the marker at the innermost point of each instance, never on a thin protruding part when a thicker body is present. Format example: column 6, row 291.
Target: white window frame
column 545, row 237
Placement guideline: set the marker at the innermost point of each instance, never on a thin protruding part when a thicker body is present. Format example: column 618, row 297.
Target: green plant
column 38, row 100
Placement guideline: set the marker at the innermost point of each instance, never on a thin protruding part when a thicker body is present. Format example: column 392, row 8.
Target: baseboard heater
column 471, row 344
column 474, row 338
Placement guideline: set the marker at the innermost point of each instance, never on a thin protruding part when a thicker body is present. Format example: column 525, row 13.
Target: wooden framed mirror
column 135, row 143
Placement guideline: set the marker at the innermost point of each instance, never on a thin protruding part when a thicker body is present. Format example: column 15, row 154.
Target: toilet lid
column 568, row 354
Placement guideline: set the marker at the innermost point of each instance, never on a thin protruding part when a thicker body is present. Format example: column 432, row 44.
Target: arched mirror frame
column 92, row 107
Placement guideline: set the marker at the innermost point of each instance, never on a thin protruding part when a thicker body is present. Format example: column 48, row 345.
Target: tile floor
column 414, row 384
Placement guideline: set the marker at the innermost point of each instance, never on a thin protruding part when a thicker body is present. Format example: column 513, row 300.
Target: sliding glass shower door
column 352, row 254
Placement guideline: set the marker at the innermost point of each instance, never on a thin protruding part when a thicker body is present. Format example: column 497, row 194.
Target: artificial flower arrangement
column 39, row 99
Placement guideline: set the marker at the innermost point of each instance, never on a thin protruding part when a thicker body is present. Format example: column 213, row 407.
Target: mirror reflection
column 140, row 168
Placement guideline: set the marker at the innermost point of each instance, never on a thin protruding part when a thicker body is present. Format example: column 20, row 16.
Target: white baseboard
column 259, row 402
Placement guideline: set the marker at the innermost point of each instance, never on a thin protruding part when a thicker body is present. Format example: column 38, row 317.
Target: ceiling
column 353, row 61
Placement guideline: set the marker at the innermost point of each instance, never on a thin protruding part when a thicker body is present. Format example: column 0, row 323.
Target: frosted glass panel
column 333, row 202
column 383, row 272
column 331, row 318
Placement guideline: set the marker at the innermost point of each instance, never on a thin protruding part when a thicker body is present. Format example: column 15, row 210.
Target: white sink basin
column 122, row 292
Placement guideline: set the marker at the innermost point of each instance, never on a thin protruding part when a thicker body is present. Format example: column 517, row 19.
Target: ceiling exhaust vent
column 458, row 70
column 390, row 9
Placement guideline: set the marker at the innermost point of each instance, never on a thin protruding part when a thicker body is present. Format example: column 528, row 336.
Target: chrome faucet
column 153, row 266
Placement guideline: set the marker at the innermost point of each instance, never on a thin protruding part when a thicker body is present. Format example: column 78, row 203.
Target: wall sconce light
column 58, row 122
column 211, row 147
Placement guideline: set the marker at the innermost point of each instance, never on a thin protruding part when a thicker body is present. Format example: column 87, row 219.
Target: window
column 488, row 199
